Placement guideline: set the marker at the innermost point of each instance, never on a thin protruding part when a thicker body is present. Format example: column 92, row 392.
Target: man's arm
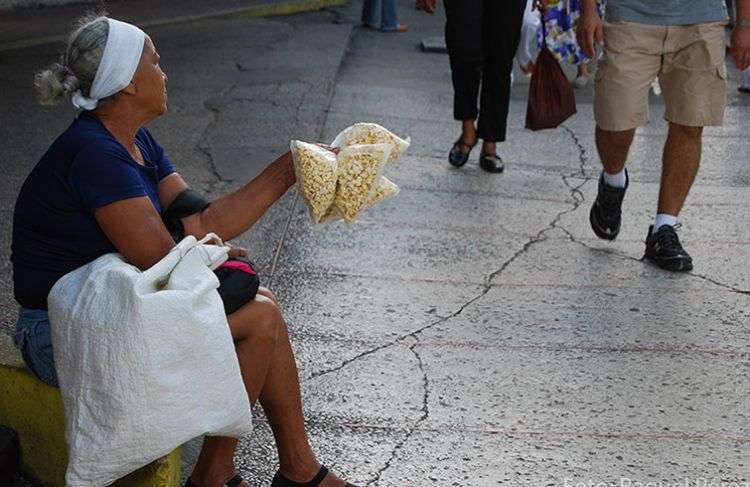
column 740, row 44
column 590, row 30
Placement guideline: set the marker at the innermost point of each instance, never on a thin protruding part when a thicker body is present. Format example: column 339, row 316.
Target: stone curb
column 289, row 7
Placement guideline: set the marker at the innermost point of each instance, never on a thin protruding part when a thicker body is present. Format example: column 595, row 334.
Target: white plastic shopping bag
column 145, row 360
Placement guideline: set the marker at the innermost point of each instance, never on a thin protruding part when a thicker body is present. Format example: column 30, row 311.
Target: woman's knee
column 264, row 291
column 259, row 321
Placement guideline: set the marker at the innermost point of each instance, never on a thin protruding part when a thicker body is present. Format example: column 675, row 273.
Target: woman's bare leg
column 468, row 135
column 270, row 374
column 254, row 328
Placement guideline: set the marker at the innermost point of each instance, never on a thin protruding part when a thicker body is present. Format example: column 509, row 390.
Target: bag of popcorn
column 359, row 172
column 372, row 133
column 384, row 189
column 316, row 169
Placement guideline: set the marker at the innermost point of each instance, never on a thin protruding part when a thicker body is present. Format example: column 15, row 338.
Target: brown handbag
column 551, row 97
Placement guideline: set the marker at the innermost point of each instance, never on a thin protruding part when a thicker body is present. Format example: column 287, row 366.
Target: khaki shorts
column 688, row 60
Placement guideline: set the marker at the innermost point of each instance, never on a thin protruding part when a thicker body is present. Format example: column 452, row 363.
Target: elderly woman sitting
column 102, row 187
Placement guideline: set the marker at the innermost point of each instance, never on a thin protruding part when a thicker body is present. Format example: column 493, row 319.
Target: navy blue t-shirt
column 54, row 229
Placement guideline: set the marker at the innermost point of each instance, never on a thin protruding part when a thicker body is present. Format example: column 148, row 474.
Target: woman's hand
column 740, row 47
column 235, row 251
column 427, row 5
column 335, row 150
column 540, row 5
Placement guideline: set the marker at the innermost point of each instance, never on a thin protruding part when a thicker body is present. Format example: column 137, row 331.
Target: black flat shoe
column 456, row 156
column 280, row 481
column 235, row 481
column 491, row 163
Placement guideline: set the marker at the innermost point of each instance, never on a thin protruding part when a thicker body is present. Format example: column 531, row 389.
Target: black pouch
column 9, row 455
column 238, row 280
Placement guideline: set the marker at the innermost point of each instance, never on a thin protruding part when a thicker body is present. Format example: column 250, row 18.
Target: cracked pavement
column 471, row 331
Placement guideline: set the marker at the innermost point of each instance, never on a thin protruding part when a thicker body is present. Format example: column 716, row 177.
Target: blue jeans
column 33, row 338
column 380, row 14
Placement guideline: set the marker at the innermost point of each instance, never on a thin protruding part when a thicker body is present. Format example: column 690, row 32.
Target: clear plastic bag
column 384, row 189
column 359, row 170
column 371, row 133
column 316, row 169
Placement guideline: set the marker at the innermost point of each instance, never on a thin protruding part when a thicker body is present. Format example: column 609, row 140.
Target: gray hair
column 78, row 64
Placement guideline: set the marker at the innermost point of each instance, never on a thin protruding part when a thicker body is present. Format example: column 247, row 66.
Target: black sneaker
column 606, row 212
column 664, row 249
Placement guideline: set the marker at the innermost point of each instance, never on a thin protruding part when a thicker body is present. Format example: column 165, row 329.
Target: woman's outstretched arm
column 234, row 213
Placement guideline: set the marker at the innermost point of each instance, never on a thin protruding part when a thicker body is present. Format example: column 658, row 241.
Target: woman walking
column 482, row 37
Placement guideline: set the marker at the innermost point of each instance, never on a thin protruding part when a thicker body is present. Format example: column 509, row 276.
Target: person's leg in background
column 390, row 18
column 372, row 13
column 463, row 37
column 745, row 81
column 582, row 75
column 501, row 33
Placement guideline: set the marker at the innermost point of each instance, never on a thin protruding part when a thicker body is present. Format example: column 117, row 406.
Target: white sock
column 617, row 180
column 663, row 219
column 745, row 79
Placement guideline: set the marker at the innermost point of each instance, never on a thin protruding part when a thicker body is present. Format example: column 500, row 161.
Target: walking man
column 682, row 42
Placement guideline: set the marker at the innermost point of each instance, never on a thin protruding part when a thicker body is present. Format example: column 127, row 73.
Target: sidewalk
column 34, row 26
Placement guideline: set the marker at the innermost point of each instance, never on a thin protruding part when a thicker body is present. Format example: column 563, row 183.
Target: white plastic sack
column 145, row 360
column 528, row 46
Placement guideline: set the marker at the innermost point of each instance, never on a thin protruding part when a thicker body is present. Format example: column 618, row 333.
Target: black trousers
column 482, row 37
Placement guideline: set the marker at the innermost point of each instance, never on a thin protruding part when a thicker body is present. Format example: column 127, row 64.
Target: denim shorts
column 33, row 338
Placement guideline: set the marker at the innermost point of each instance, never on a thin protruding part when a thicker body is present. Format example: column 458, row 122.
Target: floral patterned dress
column 561, row 21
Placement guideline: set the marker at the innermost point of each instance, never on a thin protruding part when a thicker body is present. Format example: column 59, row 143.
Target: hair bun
column 55, row 83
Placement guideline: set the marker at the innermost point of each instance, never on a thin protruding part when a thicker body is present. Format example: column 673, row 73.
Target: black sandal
column 233, row 482
column 456, row 156
column 491, row 163
column 280, row 481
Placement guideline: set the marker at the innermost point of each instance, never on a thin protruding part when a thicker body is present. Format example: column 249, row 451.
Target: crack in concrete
column 578, row 199
column 425, row 412
column 206, row 151
column 487, row 285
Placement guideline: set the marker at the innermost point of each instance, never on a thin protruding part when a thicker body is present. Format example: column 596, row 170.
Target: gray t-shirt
column 666, row 12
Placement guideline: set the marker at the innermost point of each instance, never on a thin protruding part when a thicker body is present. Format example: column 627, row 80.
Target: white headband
column 117, row 67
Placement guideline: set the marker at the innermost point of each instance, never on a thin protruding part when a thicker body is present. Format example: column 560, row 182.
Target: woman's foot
column 528, row 69
column 323, row 478
column 491, row 163
column 232, row 479
column 744, row 89
column 399, row 28
column 581, row 82
column 460, row 151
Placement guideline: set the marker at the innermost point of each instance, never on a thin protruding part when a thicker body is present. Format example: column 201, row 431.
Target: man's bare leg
column 606, row 214
column 613, row 148
column 682, row 157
